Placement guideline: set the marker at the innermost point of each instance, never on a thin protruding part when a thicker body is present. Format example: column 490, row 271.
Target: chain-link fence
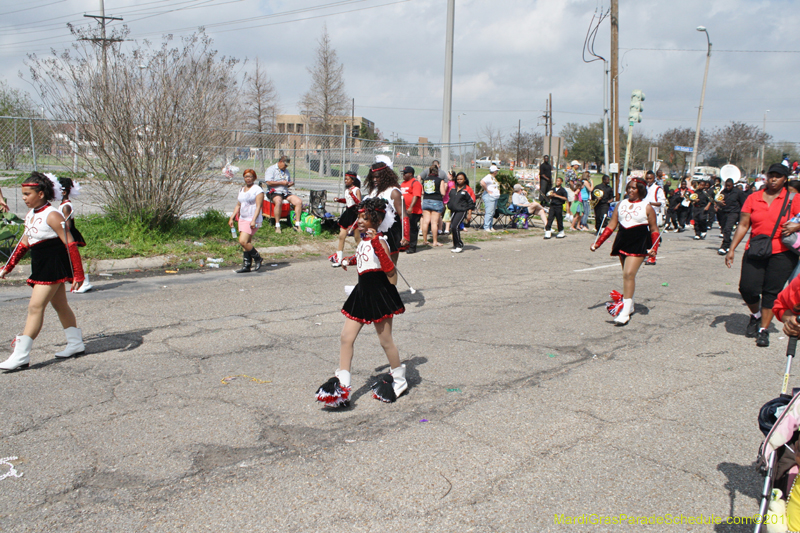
column 317, row 161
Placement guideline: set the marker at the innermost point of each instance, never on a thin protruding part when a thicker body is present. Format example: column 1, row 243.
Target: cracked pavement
column 535, row 403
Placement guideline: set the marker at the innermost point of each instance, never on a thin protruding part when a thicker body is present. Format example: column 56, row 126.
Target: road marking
column 596, row 268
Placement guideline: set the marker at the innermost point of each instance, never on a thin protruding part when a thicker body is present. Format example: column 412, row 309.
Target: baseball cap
column 779, row 168
column 408, row 170
column 492, row 169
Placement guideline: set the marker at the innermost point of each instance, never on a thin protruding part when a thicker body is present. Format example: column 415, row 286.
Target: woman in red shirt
column 762, row 279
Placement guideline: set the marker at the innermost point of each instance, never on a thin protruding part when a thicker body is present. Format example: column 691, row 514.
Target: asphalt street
column 193, row 408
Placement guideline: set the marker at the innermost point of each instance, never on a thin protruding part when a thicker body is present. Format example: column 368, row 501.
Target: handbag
column 761, row 245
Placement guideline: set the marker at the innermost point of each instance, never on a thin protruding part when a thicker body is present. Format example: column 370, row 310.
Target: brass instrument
column 693, row 197
column 597, row 195
column 687, row 195
column 719, row 197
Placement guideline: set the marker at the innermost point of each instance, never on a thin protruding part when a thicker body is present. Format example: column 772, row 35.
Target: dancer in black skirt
column 373, row 301
column 71, row 189
column 382, row 182
column 347, row 220
column 637, row 238
column 54, row 261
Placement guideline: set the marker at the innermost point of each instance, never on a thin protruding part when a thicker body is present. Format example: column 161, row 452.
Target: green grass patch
column 108, row 238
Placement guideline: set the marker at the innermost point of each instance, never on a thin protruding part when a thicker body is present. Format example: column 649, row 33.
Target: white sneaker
column 560, row 235
column 457, row 250
column 547, row 234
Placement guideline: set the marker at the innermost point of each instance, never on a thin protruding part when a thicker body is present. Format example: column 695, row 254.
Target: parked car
column 485, row 162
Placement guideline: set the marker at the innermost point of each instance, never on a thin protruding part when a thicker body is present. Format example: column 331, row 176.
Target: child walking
column 54, row 260
column 71, row 189
column 352, row 198
column 374, row 300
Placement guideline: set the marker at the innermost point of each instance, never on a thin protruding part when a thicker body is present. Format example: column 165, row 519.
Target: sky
column 508, row 56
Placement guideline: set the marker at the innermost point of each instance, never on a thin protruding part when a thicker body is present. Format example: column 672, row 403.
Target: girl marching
column 72, row 189
column 347, row 220
column 637, row 238
column 54, row 260
column 374, row 300
column 381, row 182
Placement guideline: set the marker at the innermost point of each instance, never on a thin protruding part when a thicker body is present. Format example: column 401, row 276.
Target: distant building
column 302, row 125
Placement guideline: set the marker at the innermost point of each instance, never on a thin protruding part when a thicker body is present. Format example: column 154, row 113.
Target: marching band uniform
column 374, row 298
column 350, row 214
column 601, row 208
column 700, row 214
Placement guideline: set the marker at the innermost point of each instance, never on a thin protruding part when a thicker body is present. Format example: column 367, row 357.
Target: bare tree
column 150, row 119
column 673, row 137
column 736, row 141
column 260, row 101
column 529, row 143
column 326, row 99
column 493, row 139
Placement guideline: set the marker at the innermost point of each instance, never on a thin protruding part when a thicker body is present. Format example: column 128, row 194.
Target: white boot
column 399, row 376
column 344, row 377
column 74, row 343
column 21, row 356
column 625, row 315
column 632, row 306
column 85, row 286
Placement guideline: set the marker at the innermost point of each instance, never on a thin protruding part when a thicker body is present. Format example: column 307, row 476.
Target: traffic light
column 635, row 113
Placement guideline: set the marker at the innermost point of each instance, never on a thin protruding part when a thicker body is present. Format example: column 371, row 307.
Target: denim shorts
column 433, row 205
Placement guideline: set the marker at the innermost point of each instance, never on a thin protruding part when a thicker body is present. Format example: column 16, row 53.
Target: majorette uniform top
column 633, row 237
column 374, row 299
column 632, row 213
column 350, row 197
column 365, row 255
column 350, row 214
column 36, row 226
column 76, row 235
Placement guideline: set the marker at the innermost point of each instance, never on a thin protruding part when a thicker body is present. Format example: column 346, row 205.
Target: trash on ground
column 274, row 264
column 201, row 263
column 198, row 243
column 551, row 355
column 453, row 390
column 213, row 265
column 104, row 275
column 424, row 420
column 226, row 380
column 214, row 259
column 12, row 472
column 171, row 271
column 665, row 284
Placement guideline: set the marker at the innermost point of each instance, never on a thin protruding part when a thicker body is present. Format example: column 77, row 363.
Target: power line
column 715, row 50
column 34, row 7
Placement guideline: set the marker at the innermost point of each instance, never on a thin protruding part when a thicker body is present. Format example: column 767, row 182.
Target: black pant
column 600, row 213
column 413, row 229
column 763, row 279
column 700, row 216
column 556, row 213
column 727, row 222
column 672, row 218
column 544, row 186
column 456, row 218
column 683, row 216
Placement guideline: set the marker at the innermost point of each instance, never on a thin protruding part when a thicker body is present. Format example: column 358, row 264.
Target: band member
column 352, row 197
column 657, row 200
column 55, row 260
column 602, row 195
column 558, row 197
column 374, row 300
column 637, row 238
column 700, row 206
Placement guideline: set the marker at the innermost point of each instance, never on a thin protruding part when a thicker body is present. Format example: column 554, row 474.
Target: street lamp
column 460, row 154
column 702, row 99
column 764, row 144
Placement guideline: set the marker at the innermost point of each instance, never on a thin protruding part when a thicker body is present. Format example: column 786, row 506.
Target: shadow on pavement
column 744, row 481
column 412, row 376
column 726, row 294
column 735, row 323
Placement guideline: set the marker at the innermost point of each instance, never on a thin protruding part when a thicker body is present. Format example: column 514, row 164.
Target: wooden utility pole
column 519, row 133
column 615, row 90
column 103, row 40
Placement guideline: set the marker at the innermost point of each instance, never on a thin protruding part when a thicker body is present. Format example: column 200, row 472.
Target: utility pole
column 764, row 144
column 702, row 100
column 447, row 108
column 103, row 40
column 615, row 90
column 519, row 133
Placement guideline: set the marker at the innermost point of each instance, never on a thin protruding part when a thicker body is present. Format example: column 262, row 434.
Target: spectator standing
column 545, row 179
column 412, row 196
column 249, row 216
column 491, row 192
column 586, row 194
column 278, row 179
column 576, row 208
column 730, row 206
column 433, row 190
column 558, row 197
column 763, row 276
column 460, row 202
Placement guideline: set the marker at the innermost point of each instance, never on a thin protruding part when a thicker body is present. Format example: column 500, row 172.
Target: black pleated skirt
column 395, row 235
column 632, row 241
column 373, row 300
column 49, row 263
column 348, row 217
column 76, row 235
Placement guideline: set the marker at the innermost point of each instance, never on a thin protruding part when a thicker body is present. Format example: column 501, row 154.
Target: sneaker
column 680, row 230
column 722, row 251
column 560, row 235
column 490, row 230
column 547, row 234
column 752, row 327
column 762, row 338
column 411, row 250
column 703, row 235
column 457, row 250
column 277, row 229
column 696, row 237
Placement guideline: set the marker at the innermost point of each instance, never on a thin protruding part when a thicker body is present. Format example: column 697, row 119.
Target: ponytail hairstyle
column 41, row 183
column 66, row 185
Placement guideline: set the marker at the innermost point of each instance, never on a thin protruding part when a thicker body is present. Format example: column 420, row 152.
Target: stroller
column 317, row 201
column 779, row 420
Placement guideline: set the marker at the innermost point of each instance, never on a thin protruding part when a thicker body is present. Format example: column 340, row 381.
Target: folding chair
column 503, row 212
